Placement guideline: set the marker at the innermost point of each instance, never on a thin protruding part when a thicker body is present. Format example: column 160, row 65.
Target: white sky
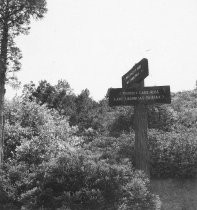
column 92, row 43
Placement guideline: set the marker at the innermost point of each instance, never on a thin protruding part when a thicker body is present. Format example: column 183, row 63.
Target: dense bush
column 35, row 127
column 45, row 165
column 173, row 154
column 33, row 135
column 79, row 180
column 114, row 149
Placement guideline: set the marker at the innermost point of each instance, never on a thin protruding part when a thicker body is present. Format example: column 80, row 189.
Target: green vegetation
column 67, row 151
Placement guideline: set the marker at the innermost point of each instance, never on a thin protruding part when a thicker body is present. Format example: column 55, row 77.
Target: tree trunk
column 141, row 127
column 3, row 67
column 1, row 121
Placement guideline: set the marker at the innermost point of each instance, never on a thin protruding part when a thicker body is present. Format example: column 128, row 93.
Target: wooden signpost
column 133, row 93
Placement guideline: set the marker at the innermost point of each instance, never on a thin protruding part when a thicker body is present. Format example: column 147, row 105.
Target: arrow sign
column 136, row 74
column 145, row 95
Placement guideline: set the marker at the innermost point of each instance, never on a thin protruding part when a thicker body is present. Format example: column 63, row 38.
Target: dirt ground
column 176, row 194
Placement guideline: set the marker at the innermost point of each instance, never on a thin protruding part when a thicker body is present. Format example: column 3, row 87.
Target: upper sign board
column 136, row 74
column 145, row 95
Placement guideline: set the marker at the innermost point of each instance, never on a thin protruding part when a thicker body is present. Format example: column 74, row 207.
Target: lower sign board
column 145, row 95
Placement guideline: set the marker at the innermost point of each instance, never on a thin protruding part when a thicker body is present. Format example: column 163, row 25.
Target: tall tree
column 15, row 17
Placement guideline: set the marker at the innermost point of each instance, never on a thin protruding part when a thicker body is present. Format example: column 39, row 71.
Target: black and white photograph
column 98, row 105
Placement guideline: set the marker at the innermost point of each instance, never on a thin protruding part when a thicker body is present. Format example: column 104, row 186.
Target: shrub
column 114, row 149
column 83, row 181
column 45, row 166
column 27, row 122
column 173, row 154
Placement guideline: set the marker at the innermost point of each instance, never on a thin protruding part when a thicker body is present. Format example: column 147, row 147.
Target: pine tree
column 15, row 18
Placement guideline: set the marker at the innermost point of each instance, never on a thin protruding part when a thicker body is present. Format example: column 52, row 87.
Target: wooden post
column 2, row 92
column 141, row 127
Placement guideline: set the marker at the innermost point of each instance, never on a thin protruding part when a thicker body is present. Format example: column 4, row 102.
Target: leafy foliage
column 51, row 164
column 15, row 16
column 28, row 122
column 78, row 180
column 46, row 167
column 82, row 110
column 174, row 154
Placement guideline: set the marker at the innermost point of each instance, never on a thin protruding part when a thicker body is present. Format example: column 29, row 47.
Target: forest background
column 64, row 150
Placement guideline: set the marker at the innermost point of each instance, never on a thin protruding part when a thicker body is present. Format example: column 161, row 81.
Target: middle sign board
column 138, row 73
column 145, row 95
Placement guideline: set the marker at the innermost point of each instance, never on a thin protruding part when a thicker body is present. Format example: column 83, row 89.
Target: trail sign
column 135, row 94
column 145, row 95
column 138, row 73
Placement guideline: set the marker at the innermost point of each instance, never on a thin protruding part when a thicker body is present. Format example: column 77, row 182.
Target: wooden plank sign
column 133, row 93
column 138, row 73
column 145, row 95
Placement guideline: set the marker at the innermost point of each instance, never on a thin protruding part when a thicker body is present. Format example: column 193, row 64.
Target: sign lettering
column 136, row 74
column 146, row 95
